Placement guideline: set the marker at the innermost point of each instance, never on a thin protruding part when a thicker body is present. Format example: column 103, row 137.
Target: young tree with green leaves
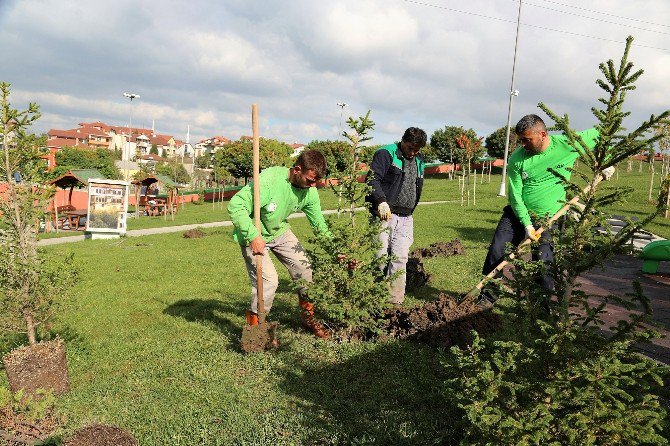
column 469, row 148
column 174, row 170
column 29, row 283
column 444, row 143
column 237, row 156
column 337, row 154
column 349, row 289
column 76, row 158
column 495, row 142
column 550, row 376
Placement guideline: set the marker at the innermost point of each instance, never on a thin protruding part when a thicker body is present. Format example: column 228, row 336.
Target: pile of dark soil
column 416, row 273
column 101, row 435
column 441, row 323
column 452, row 248
column 417, row 276
column 39, row 366
column 194, row 233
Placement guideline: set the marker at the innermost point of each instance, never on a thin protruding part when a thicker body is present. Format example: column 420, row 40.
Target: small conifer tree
column 349, row 288
column 550, row 376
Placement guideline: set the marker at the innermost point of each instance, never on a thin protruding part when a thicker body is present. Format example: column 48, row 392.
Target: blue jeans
column 511, row 230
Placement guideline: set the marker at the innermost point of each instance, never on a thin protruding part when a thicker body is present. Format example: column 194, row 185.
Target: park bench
column 618, row 222
column 59, row 217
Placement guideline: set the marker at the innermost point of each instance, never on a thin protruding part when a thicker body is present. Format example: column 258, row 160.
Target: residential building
column 210, row 145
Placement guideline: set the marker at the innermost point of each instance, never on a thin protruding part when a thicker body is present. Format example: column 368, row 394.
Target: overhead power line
column 594, row 18
column 605, row 13
column 499, row 19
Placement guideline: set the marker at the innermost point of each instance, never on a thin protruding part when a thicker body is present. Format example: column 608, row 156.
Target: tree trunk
column 31, row 329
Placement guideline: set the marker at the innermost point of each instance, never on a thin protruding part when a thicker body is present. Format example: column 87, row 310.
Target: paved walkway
column 180, row 228
column 616, row 278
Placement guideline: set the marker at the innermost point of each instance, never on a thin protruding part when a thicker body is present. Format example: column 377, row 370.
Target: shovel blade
column 259, row 338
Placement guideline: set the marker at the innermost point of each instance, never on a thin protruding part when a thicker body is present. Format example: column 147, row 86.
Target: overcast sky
column 413, row 63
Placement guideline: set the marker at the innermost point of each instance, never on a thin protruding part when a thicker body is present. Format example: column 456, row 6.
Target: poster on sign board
column 107, row 206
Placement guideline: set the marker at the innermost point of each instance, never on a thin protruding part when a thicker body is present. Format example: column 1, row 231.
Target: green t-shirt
column 535, row 189
column 279, row 199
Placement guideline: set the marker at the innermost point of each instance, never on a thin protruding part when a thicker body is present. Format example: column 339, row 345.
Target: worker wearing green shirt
column 534, row 193
column 283, row 191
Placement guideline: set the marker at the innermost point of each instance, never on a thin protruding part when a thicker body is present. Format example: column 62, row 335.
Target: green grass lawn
column 153, row 329
column 153, row 326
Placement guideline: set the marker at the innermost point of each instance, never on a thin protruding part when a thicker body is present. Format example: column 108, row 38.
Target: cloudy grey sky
column 425, row 63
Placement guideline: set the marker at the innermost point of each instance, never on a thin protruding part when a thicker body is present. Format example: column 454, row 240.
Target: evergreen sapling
column 551, row 376
column 349, row 289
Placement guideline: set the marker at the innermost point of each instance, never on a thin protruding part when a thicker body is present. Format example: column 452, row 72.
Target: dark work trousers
column 511, row 230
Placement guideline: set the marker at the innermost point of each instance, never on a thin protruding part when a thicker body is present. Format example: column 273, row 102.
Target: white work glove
column 531, row 233
column 384, row 211
column 607, row 173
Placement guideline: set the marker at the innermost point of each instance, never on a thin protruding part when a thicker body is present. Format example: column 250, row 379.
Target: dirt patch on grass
column 258, row 338
column 417, row 276
column 441, row 323
column 101, row 435
column 194, row 233
column 39, row 366
column 452, row 248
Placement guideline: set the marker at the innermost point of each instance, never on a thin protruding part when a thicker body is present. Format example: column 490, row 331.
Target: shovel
column 261, row 337
column 473, row 293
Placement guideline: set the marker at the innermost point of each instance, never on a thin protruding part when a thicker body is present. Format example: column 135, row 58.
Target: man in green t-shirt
column 534, row 193
column 283, row 191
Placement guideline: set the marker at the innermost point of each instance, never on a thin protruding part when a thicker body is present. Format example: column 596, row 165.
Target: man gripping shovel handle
column 534, row 236
column 261, row 336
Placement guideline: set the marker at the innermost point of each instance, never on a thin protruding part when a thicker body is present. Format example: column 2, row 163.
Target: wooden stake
column 474, row 189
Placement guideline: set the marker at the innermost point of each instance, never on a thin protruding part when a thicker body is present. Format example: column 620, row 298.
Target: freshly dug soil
column 101, row 435
column 258, row 338
column 452, row 248
column 39, row 366
column 416, row 273
column 194, row 233
column 441, row 323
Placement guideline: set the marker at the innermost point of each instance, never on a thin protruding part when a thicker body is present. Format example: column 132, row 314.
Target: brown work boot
column 310, row 322
column 252, row 318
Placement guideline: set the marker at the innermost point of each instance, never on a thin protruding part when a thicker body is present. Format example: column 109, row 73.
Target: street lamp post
column 512, row 94
column 341, row 105
column 130, row 96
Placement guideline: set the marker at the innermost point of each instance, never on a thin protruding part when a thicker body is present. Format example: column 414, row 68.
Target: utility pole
column 512, row 94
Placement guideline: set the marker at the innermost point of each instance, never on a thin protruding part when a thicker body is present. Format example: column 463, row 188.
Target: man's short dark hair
column 530, row 122
column 415, row 135
column 312, row 160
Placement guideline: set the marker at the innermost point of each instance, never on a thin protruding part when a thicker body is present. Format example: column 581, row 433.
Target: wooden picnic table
column 155, row 207
column 74, row 217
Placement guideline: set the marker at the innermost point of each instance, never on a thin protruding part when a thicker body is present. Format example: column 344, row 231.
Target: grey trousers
column 396, row 239
column 290, row 253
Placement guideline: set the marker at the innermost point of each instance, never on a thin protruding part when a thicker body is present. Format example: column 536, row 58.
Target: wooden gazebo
column 148, row 180
column 71, row 179
column 75, row 178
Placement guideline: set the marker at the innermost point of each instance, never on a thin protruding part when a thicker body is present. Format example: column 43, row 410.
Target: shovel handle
column 260, row 307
